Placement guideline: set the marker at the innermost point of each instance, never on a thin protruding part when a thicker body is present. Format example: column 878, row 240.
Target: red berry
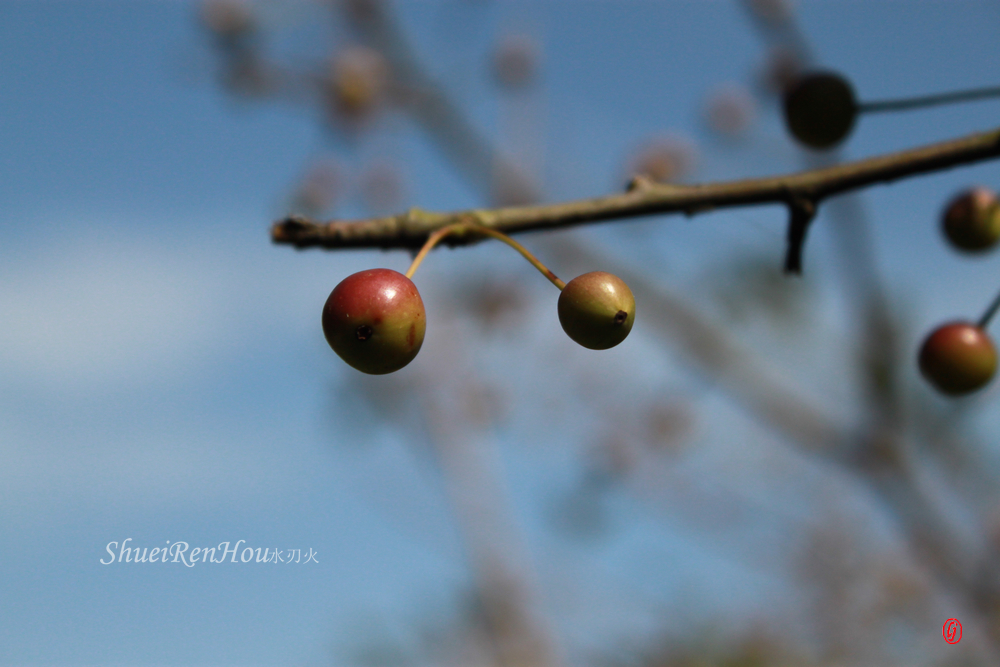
column 375, row 321
column 972, row 220
column 820, row 109
column 596, row 310
column 958, row 358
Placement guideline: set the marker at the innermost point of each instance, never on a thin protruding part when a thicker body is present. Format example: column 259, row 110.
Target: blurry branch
column 517, row 635
column 433, row 109
column 410, row 230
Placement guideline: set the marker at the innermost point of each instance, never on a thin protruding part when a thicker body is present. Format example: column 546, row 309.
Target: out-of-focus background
column 757, row 476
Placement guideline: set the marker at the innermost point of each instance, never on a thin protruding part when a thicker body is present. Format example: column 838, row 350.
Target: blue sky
column 162, row 370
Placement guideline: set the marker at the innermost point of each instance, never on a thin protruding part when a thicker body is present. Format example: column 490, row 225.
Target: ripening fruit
column 972, row 220
column 958, row 358
column 229, row 20
column 357, row 83
column 375, row 321
column 596, row 310
column 730, row 111
column 515, row 62
column 664, row 159
column 820, row 109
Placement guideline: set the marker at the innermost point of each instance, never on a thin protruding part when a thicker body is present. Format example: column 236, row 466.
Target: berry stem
column 929, row 100
column 465, row 226
column 990, row 312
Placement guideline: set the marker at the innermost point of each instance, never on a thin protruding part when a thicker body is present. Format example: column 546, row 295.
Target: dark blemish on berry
column 620, row 317
column 411, row 336
column 364, row 332
column 377, row 321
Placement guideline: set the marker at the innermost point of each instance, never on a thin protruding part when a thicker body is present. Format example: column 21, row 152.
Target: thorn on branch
column 801, row 211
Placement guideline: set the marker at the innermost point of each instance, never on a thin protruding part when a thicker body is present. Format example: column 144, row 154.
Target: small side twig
column 801, row 212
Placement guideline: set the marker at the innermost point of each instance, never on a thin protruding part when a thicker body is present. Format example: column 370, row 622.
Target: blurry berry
column 972, row 220
column 820, row 109
column 958, row 358
column 730, row 110
column 319, row 189
column 358, row 83
column 782, row 67
column 382, row 187
column 229, row 20
column 664, row 160
column 774, row 12
column 515, row 61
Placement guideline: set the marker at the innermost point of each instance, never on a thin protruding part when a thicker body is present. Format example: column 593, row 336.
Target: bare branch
column 410, row 230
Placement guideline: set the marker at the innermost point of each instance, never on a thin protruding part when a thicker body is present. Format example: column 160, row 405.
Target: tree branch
column 410, row 230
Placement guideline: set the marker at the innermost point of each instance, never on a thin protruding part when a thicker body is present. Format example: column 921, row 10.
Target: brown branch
column 410, row 230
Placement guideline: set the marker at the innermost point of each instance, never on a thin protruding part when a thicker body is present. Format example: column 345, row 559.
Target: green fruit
column 596, row 310
column 958, row 358
column 820, row 109
column 375, row 321
column 972, row 220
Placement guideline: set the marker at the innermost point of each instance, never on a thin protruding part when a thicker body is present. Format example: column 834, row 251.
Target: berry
column 515, row 62
column 375, row 321
column 358, row 83
column 730, row 111
column 596, row 310
column 781, row 69
column 229, row 20
column 972, row 220
column 665, row 159
column 820, row 109
column 958, row 358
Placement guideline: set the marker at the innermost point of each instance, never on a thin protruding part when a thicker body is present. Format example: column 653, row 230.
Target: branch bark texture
column 410, row 229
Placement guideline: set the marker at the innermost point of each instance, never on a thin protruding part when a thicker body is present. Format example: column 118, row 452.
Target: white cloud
column 134, row 309
column 100, row 312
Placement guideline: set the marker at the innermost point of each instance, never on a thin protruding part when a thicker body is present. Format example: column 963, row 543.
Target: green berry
column 820, row 109
column 971, row 222
column 375, row 321
column 596, row 310
column 958, row 358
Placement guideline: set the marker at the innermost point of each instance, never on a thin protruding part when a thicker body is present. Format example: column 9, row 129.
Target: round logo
column 952, row 631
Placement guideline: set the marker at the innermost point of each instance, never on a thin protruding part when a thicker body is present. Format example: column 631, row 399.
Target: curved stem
column 432, row 241
column 460, row 227
column 990, row 312
column 929, row 100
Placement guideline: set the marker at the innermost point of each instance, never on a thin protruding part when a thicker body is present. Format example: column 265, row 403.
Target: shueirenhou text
column 184, row 553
